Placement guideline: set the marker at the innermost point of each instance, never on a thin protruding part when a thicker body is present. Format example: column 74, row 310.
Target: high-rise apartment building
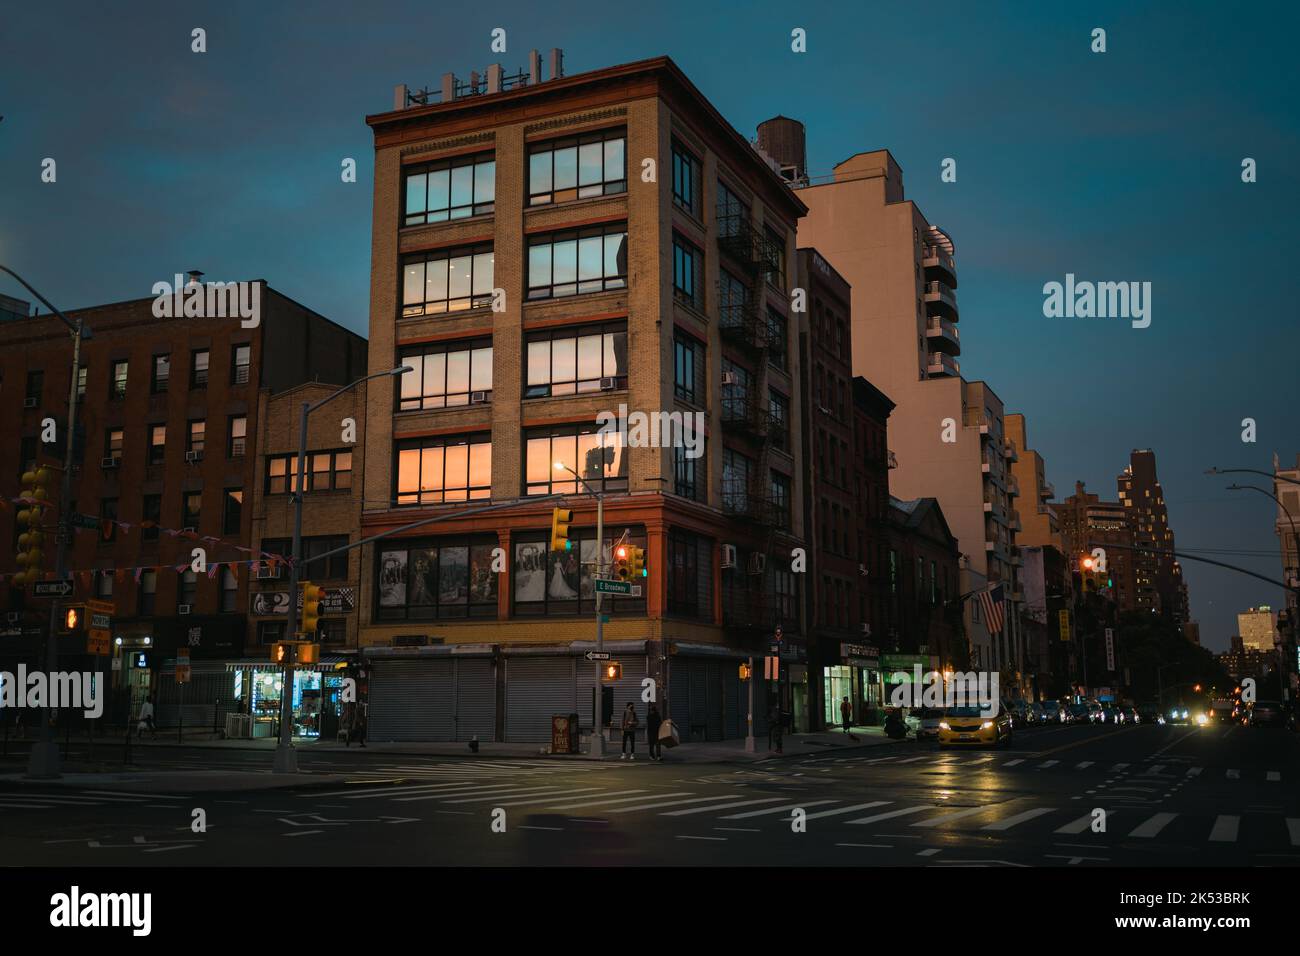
column 546, row 252
column 1040, row 526
column 1258, row 628
column 947, row 433
column 1088, row 523
column 1158, row 576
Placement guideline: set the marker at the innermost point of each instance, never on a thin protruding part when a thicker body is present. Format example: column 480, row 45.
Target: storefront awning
column 328, row 662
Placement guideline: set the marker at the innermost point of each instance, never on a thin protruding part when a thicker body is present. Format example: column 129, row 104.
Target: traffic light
column 744, row 672
column 1088, row 573
column 311, row 597
column 74, row 620
column 281, row 652
column 623, row 563
column 613, row 670
column 560, row 520
column 637, row 563
column 30, row 556
column 308, row 653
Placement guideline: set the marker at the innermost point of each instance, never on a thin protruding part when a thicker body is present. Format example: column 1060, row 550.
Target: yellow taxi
column 968, row 726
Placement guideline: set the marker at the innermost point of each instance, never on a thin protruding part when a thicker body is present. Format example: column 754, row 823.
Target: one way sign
column 52, row 588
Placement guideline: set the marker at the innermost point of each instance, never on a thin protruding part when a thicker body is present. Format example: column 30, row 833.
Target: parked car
column 1221, row 710
column 967, row 726
column 1267, row 713
column 1131, row 715
column 1080, row 714
column 1018, row 710
column 1149, row 713
column 930, row 718
column 1109, row 714
column 1180, row 713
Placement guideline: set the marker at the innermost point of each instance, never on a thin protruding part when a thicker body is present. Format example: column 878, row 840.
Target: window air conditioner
column 757, row 563
column 108, row 462
column 478, row 398
column 608, row 384
column 183, row 608
column 728, row 555
column 192, row 456
column 728, row 378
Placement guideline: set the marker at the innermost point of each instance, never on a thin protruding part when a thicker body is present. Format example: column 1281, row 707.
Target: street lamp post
column 286, row 758
column 597, row 732
column 44, row 760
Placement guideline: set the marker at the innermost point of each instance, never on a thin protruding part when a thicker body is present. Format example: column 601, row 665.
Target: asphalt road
column 1172, row 796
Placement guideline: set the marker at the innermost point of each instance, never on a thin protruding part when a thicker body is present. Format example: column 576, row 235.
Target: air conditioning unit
column 608, row 384
column 757, row 563
column 190, row 529
column 109, row 462
column 29, row 403
column 184, row 608
column 478, row 398
column 862, row 570
column 866, row 629
column 269, row 574
column 191, row 456
column 728, row 555
column 728, row 378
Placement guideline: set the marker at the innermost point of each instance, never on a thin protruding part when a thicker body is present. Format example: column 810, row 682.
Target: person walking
column 630, row 724
column 846, row 714
column 652, row 724
column 146, row 720
column 359, row 722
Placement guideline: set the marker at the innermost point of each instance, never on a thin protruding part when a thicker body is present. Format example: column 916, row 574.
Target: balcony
column 940, row 300
column 939, row 266
column 1013, row 486
column 892, row 460
column 740, row 324
column 1013, row 519
column 747, row 246
column 743, row 414
column 941, row 363
column 972, row 418
column 739, row 502
column 1047, row 491
column 1009, row 451
column 942, row 335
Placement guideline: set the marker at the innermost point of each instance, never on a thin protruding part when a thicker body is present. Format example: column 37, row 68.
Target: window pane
column 590, row 163
column 564, row 448
column 483, row 273
column 435, row 375
column 462, row 186
column 435, row 281
column 589, row 256
column 392, row 579
column 415, row 187
column 431, row 470
column 614, row 252
column 614, row 159
column 566, row 167
column 458, row 286
column 539, row 172
column 457, row 471
column 589, row 453
column 566, row 261
column 480, row 465
column 619, row 468
column 480, row 377
column 453, row 575
column 563, row 360
column 589, row 350
column 485, row 182
column 539, row 265
column 482, row 579
column 530, row 570
column 421, row 576
column 457, row 373
column 539, row 461
column 411, row 382
column 408, row 471
column 616, row 353
column 438, row 188
column 539, row 363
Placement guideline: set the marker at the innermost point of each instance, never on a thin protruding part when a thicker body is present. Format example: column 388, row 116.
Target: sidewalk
column 180, row 781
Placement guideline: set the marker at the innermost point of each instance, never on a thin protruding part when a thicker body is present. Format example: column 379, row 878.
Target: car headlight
column 1173, row 713
column 943, row 725
column 1185, row 715
column 987, row 725
column 1202, row 719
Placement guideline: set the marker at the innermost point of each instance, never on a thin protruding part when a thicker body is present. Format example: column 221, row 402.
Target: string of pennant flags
column 106, row 526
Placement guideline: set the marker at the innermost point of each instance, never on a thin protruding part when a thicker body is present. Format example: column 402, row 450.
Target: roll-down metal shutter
column 735, row 697
column 411, row 700
column 699, row 721
column 537, row 688
column 476, row 699
column 714, row 683
column 626, row 690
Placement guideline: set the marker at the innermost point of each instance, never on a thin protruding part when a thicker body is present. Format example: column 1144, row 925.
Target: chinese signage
column 1064, row 617
column 334, row 601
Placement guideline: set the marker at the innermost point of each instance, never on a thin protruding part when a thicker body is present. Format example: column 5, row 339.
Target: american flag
column 991, row 600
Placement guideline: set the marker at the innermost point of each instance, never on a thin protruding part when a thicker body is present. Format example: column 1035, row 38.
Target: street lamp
column 1251, row 471
column 44, row 759
column 597, row 732
column 286, row 758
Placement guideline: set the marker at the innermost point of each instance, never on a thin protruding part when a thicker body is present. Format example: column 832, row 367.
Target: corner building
column 545, row 250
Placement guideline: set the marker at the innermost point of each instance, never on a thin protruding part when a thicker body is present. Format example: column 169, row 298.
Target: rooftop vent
column 493, row 80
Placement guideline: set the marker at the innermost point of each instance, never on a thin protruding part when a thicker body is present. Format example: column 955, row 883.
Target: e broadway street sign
column 617, row 587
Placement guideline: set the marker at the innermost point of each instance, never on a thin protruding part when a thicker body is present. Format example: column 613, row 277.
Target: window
column 577, row 168
column 601, row 460
column 113, row 444
column 35, row 387
column 81, row 382
column 150, row 515
column 735, row 395
column 229, row 591
column 785, row 591
column 569, row 361
column 561, row 582
column 117, row 380
column 445, row 376
column 271, row 632
column 161, row 375
column 333, row 630
column 104, row 584
column 240, row 360
column 777, row 339
column 27, row 453
column 690, row 577
column 148, row 596
column 191, row 505
column 571, row 263
column 450, row 189
column 434, row 578
column 157, row 444
column 432, row 471
column 688, row 369
column 195, row 439
column 189, row 588
column 687, row 264
column 236, row 435
column 108, row 519
column 199, row 360
column 774, row 255
column 733, row 297
column 733, row 214
column 232, row 510
column 686, row 170
column 778, row 406
column 688, row 473
column 444, row 281
column 325, row 471
column 780, row 495
column 736, row 471
column 333, row 568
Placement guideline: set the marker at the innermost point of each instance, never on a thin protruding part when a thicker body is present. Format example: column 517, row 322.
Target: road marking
column 549, row 798
column 667, row 803
column 1293, row 828
column 297, row 833
column 790, row 807
column 855, row 807
column 1048, row 763
column 487, row 793
column 1118, row 767
column 1273, row 776
column 585, row 820
column 907, row 811
column 1234, row 774
column 1194, row 771
column 1075, row 860
column 1019, row 818
column 912, row 760
column 943, row 818
column 25, row 806
column 1155, row 771
column 1081, row 824
column 1153, row 826
column 1083, row 765
column 524, row 826
column 154, row 796
column 719, row 839
column 1225, row 829
column 421, row 788
column 869, row 846
column 930, row 852
column 739, row 829
column 724, row 806
column 1012, row 763
column 604, row 801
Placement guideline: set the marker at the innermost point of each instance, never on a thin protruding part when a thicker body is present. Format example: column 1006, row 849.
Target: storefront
column 856, row 677
column 257, row 689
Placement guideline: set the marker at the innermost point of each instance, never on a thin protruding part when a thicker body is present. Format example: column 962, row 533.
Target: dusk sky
column 1122, row 166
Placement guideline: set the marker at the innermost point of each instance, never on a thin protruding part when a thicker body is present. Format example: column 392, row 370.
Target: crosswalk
column 987, row 763
column 76, row 799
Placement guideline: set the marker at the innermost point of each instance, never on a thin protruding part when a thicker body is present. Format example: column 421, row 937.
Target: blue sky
column 1115, row 166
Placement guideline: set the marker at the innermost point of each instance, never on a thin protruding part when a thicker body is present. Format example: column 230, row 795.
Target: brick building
column 544, row 251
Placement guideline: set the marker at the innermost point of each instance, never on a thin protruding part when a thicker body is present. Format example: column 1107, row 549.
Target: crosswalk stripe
column 1081, row 824
column 1153, row 826
column 26, row 806
column 550, row 793
column 548, row 798
column 1157, row 768
column 889, row 815
column 399, row 792
column 153, row 796
column 912, row 760
column 1012, row 763
column 1234, row 774
column 1293, row 829
column 857, row 806
column 1194, row 771
column 73, row 801
column 943, row 818
column 525, row 792
column 668, row 803
column 488, row 792
column 724, row 806
column 1083, row 765
column 592, row 800
column 1118, row 767
column 1048, row 763
column 1273, row 776
column 1019, row 818
column 791, row 807
column 1225, row 829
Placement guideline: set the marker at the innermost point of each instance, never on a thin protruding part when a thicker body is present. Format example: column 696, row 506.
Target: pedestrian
column 359, row 722
column 846, row 714
column 652, row 723
column 630, row 724
column 146, row 720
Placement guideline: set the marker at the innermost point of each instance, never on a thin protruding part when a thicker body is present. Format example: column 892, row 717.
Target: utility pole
column 597, row 731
